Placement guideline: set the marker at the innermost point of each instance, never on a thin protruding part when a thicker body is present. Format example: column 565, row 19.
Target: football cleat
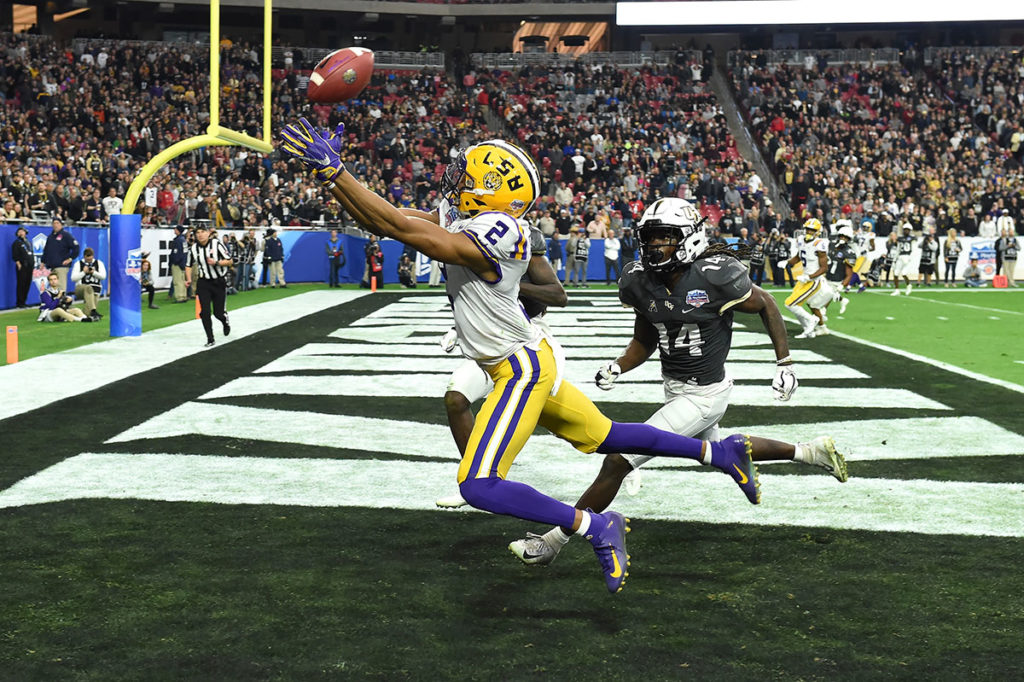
column 824, row 454
column 608, row 536
column 534, row 550
column 453, row 501
column 909, row 288
column 733, row 456
column 807, row 333
column 843, row 302
column 896, row 292
column 822, row 330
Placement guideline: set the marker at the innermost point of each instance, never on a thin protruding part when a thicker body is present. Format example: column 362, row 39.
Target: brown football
column 341, row 75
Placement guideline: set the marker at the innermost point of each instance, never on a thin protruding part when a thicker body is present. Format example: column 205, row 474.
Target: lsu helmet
column 491, row 176
column 681, row 221
column 812, row 229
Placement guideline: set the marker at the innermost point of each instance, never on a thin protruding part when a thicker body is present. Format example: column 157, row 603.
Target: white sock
column 802, row 454
column 584, row 524
column 556, row 537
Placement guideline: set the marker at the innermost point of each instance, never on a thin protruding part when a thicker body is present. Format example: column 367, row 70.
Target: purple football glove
column 303, row 142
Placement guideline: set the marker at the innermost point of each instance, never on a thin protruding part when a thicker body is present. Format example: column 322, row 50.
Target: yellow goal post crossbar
column 215, row 134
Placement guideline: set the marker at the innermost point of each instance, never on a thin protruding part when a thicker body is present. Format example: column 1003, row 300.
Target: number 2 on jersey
column 497, row 232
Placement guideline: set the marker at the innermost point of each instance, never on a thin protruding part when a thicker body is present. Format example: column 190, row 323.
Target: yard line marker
column 917, row 506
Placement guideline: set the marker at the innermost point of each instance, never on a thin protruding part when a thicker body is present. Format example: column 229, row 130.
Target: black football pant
column 24, row 282
column 211, row 292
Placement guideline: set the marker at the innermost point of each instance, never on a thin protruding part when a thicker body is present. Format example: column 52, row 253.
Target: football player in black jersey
column 684, row 293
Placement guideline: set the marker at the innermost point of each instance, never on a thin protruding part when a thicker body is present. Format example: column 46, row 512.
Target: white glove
column 450, row 340
column 784, row 383
column 607, row 375
column 803, row 278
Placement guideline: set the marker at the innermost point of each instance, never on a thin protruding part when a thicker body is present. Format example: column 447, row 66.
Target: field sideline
column 263, row 510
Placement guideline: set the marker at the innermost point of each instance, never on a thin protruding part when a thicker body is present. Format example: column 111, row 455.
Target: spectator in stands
column 111, row 204
column 55, row 304
column 273, row 255
column 60, row 251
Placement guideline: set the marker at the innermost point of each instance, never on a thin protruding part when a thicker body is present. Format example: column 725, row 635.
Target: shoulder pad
column 538, row 244
column 719, row 270
column 630, row 287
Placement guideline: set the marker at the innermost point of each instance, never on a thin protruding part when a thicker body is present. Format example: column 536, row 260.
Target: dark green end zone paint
column 122, row 589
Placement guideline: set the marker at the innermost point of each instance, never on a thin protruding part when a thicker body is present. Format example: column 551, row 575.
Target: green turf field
column 264, row 510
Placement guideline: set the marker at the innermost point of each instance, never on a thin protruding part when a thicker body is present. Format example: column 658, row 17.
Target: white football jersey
column 490, row 321
column 809, row 255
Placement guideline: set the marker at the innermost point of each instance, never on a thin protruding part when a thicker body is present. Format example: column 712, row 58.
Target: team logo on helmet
column 492, row 181
column 674, row 220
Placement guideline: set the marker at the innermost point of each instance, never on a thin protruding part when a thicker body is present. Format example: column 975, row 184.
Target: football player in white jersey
column 487, row 252
column 811, row 289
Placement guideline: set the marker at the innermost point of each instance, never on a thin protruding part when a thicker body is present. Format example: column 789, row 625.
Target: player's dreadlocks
column 738, row 251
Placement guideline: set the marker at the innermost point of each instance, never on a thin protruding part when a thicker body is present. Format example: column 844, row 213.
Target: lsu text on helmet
column 677, row 221
column 812, row 229
column 491, row 176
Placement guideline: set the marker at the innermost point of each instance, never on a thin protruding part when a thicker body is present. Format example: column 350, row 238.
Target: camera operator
column 88, row 275
column 55, row 305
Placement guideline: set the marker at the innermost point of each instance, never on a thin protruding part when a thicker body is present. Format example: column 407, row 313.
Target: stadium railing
column 932, row 53
column 888, row 55
column 516, row 60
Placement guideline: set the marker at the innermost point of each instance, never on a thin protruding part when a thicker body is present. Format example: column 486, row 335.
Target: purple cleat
column 732, row 455
column 608, row 536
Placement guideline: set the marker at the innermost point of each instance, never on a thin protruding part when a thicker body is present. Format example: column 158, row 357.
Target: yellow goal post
column 215, row 133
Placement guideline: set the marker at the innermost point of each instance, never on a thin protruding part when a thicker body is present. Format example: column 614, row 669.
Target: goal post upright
column 126, row 298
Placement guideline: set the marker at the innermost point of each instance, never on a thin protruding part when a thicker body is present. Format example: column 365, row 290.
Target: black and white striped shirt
column 198, row 254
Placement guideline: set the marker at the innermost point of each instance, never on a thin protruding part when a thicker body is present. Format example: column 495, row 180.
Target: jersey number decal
column 497, row 232
column 669, row 341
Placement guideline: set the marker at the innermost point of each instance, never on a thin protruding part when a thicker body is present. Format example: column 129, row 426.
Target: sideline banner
column 124, row 272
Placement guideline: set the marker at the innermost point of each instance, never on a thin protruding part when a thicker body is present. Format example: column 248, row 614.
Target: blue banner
column 124, row 273
column 96, row 237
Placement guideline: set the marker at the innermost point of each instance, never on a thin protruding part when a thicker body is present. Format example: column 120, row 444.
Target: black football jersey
column 842, row 254
column 694, row 333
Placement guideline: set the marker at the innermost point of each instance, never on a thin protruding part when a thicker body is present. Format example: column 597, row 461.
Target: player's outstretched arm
column 303, row 142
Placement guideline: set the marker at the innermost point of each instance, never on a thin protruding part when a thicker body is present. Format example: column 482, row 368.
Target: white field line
column 575, row 369
column 580, row 348
column 434, row 385
column 40, row 381
column 926, row 299
column 917, row 506
column 873, row 439
column 1017, row 388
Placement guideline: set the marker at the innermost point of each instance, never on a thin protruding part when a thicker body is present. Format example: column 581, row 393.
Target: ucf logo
column 504, row 169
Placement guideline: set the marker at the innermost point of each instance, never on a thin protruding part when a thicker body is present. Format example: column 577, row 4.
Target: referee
column 210, row 261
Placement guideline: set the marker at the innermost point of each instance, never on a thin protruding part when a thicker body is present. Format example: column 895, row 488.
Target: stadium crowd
column 877, row 142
